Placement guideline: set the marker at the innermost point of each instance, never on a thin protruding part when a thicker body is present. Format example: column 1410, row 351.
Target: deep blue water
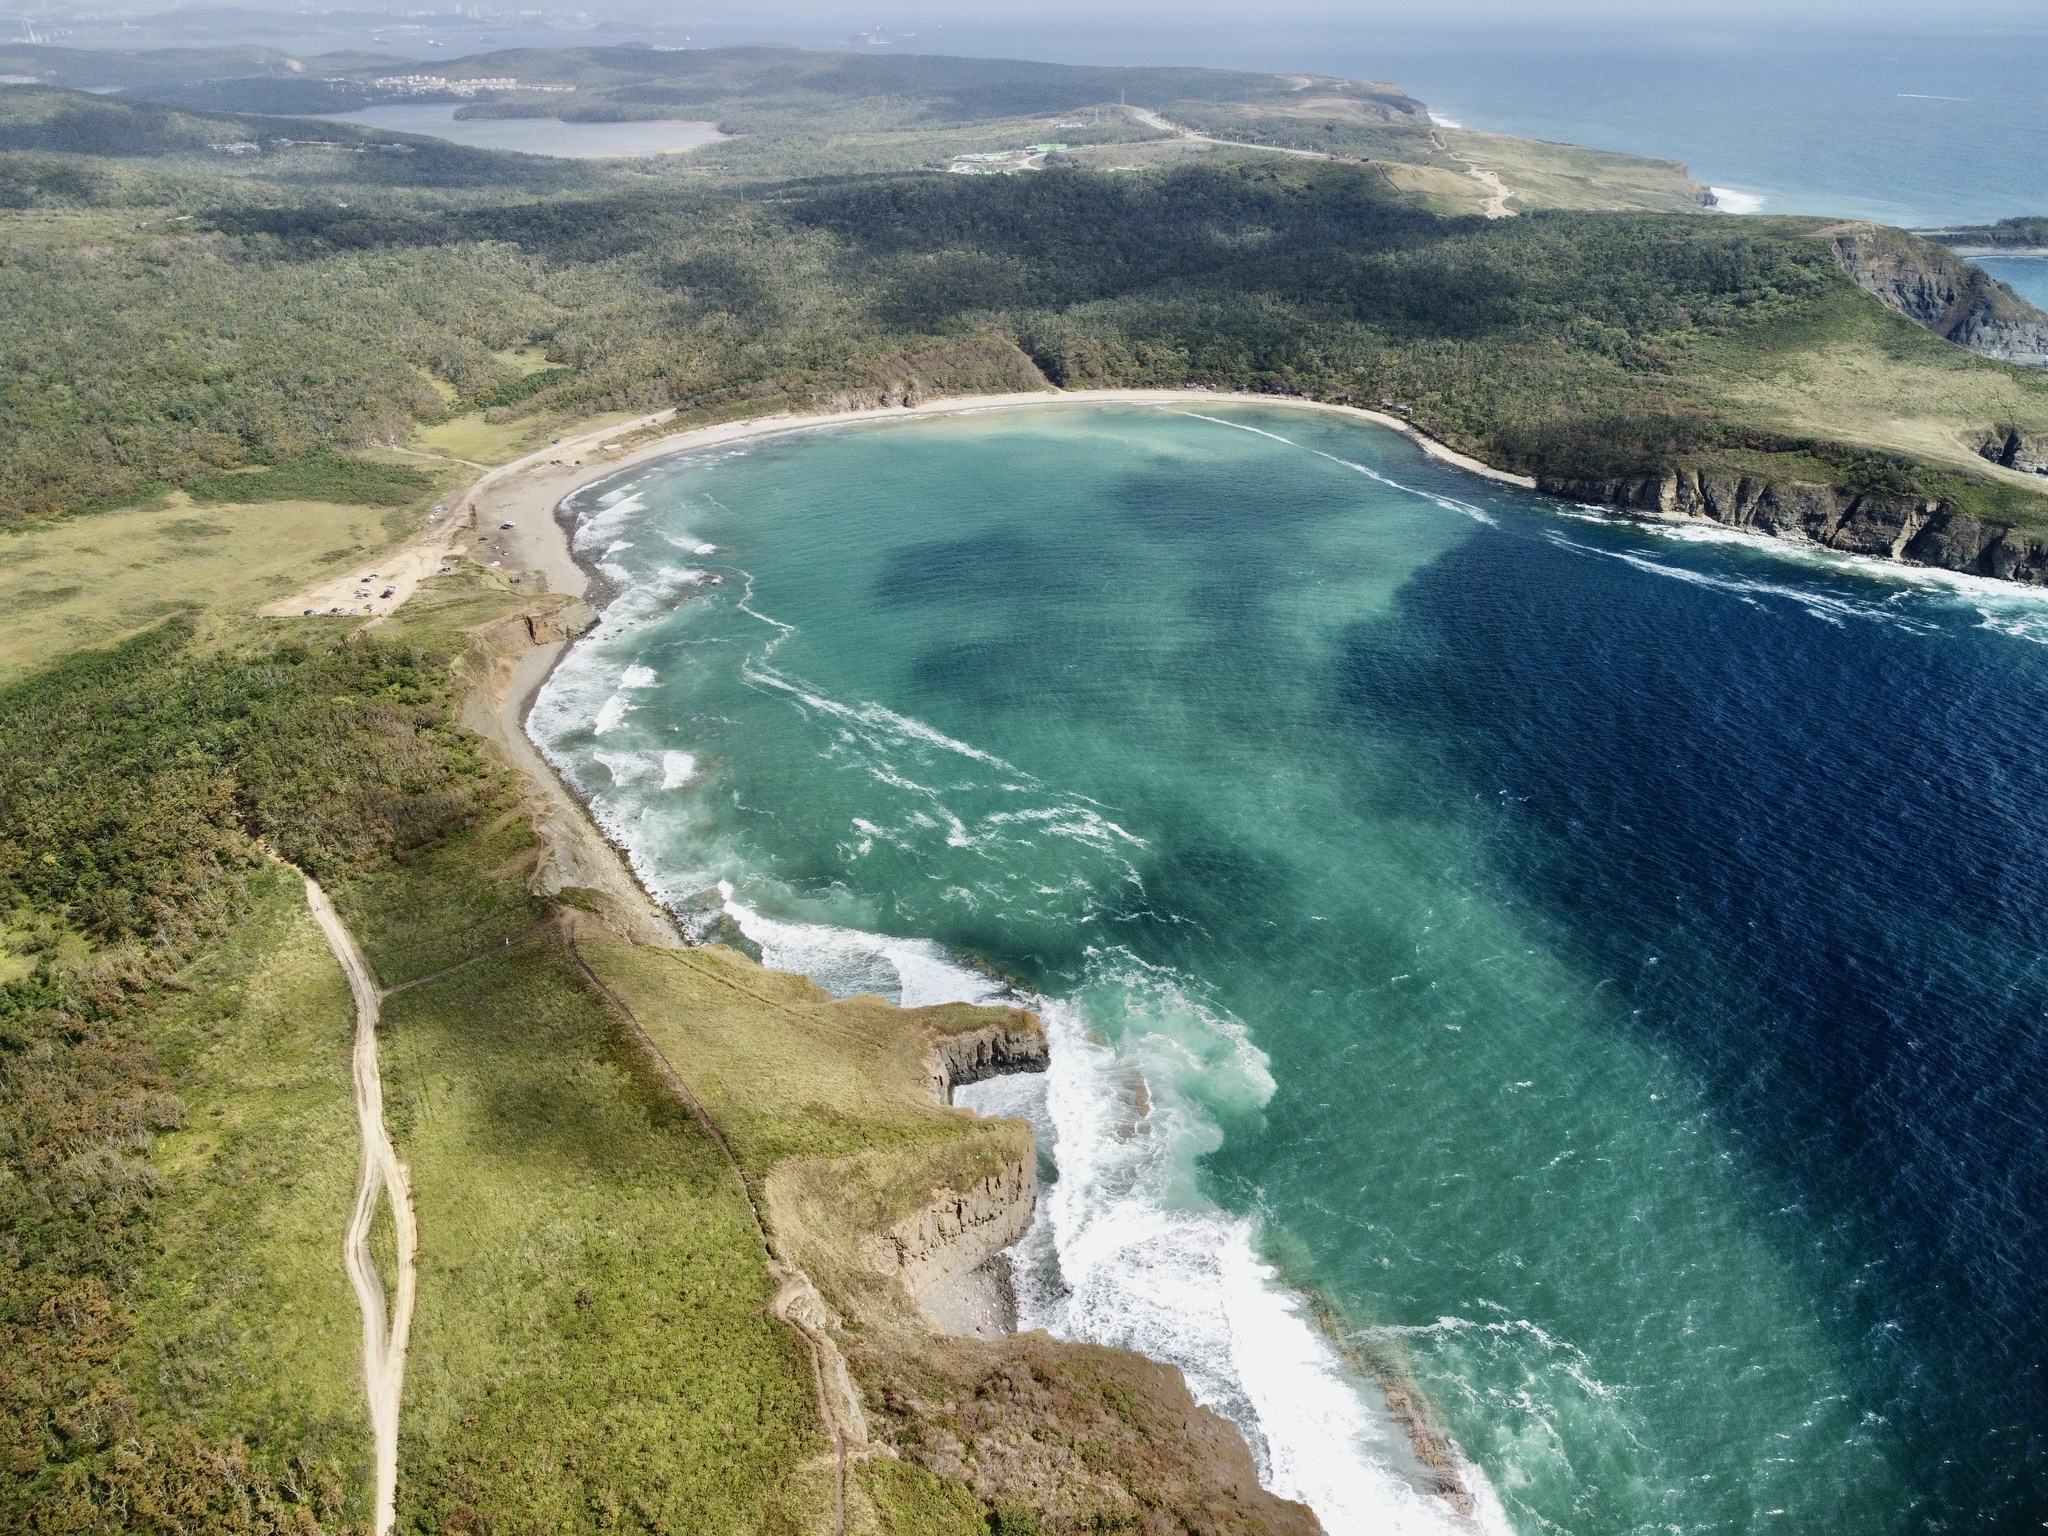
column 1833, row 838
column 1610, row 968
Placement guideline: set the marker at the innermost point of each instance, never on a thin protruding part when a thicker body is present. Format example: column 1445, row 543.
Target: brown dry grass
column 90, row 580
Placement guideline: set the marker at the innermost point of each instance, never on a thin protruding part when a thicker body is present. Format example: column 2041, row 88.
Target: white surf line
column 383, row 1342
column 1449, row 504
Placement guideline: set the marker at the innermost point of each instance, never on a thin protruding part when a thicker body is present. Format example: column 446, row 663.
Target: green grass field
column 93, row 579
column 245, row 1324
column 592, row 1349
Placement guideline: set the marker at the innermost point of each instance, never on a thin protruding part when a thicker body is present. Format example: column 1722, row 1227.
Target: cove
column 1600, row 965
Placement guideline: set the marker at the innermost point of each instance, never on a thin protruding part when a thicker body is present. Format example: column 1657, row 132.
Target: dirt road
column 384, row 1338
column 1153, row 120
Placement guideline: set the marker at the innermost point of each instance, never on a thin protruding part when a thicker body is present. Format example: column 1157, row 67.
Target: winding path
column 1497, row 191
column 384, row 1339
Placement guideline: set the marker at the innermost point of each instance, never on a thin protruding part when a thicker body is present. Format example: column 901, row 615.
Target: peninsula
column 686, row 1243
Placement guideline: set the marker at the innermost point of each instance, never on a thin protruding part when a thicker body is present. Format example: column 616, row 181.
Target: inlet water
column 1592, row 972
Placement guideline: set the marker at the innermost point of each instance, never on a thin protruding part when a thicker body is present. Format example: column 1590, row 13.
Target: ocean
column 1590, row 971
column 1944, row 124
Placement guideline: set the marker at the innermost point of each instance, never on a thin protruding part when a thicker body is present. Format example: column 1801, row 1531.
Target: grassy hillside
column 180, row 1142
column 175, row 1111
column 593, row 1348
column 148, row 348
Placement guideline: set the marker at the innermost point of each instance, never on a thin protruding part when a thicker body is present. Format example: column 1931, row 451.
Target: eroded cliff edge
column 874, row 1192
column 1916, row 530
column 1932, row 286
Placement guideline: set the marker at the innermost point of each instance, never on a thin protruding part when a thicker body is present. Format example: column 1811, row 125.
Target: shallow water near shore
column 1602, row 965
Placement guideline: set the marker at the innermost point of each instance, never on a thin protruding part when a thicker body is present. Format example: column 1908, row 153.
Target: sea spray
column 1125, row 1251
column 1604, row 985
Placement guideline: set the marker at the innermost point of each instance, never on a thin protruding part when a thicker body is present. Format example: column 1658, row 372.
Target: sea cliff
column 1914, row 530
column 1936, row 288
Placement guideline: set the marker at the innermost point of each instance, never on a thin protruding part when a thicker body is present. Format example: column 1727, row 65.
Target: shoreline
column 526, row 492
column 544, row 542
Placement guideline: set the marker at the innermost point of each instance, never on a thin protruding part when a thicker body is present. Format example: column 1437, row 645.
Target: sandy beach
column 527, row 491
column 505, row 520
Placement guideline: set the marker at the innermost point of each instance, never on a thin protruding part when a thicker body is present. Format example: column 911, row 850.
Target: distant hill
column 2030, row 233
column 47, row 120
column 897, row 91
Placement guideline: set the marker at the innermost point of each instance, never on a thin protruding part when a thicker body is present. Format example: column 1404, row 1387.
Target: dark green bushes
column 318, row 475
column 132, row 786
column 272, row 328
column 135, row 778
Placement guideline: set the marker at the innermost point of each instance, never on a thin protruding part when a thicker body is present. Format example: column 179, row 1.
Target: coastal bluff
column 1933, row 287
column 874, row 1194
column 1914, row 530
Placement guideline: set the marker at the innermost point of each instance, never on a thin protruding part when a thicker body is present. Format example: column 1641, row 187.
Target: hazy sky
column 1172, row 15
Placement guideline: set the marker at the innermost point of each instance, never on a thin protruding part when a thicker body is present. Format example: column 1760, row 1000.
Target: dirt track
column 384, row 1340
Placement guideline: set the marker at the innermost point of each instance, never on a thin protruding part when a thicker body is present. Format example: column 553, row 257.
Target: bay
column 1603, row 967
column 534, row 135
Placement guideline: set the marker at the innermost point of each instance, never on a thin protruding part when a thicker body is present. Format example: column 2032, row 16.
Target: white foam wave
column 677, row 769
column 1126, row 1252
column 638, row 677
column 628, row 767
column 611, row 714
column 2002, row 606
column 1728, row 200
column 1321, row 1434
column 914, row 973
column 1828, row 607
column 1448, row 503
column 871, row 716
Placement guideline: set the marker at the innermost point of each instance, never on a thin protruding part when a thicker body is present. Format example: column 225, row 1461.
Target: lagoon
column 535, row 135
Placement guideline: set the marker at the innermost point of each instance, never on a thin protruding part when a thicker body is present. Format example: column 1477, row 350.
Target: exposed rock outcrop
column 1014, row 1044
column 2014, row 449
column 564, row 623
column 1915, row 530
column 959, row 1230
column 1936, row 288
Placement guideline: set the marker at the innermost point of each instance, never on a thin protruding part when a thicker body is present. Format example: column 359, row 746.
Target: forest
column 168, row 317
column 205, row 310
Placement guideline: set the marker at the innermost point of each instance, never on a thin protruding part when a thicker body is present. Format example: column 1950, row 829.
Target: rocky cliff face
column 959, row 1230
column 1934, row 287
column 962, row 1229
column 1918, row 531
column 1016, row 1044
column 2016, row 450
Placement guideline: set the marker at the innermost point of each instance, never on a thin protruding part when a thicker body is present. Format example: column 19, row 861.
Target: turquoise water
column 1602, row 967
